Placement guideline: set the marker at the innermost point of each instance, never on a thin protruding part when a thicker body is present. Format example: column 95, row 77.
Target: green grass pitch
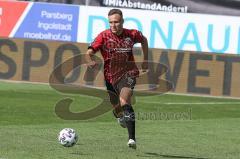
column 167, row 126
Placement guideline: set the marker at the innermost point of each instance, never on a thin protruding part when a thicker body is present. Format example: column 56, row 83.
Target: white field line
column 190, row 103
column 201, row 95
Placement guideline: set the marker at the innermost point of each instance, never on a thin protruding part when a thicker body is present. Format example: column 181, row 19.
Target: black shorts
column 115, row 89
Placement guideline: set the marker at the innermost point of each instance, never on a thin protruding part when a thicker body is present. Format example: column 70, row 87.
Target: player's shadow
column 152, row 155
column 80, row 154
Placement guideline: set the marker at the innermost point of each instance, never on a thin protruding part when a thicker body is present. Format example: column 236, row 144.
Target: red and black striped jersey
column 117, row 52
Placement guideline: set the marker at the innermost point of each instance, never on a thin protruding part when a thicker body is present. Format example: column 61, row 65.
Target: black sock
column 129, row 117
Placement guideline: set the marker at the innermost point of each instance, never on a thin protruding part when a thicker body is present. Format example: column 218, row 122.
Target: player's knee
column 124, row 101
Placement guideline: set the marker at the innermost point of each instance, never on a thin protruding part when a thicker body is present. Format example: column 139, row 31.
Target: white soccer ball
column 67, row 137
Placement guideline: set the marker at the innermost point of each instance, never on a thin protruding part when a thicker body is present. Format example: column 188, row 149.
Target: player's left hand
column 145, row 66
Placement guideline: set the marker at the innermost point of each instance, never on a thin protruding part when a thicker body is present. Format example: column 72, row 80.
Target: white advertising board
column 166, row 30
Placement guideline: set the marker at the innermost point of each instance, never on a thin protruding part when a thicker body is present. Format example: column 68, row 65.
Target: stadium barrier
column 78, row 23
column 189, row 72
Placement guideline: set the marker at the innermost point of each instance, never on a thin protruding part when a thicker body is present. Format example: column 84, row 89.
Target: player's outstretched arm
column 144, row 45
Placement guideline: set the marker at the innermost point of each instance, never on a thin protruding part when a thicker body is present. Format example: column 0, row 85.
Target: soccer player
column 120, row 71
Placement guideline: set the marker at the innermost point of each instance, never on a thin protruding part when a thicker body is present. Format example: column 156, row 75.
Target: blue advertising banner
column 50, row 22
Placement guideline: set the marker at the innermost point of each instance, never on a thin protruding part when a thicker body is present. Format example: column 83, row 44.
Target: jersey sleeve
column 97, row 43
column 137, row 36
